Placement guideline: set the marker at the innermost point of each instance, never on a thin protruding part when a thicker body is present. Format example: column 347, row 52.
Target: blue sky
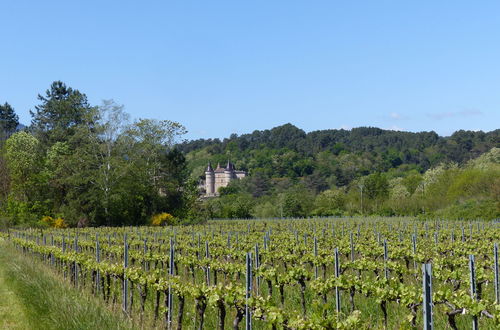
column 222, row 67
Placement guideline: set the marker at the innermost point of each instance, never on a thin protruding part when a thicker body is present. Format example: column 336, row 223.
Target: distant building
column 220, row 177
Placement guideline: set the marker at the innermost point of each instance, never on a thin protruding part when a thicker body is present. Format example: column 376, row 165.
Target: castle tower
column 219, row 178
column 210, row 180
column 229, row 172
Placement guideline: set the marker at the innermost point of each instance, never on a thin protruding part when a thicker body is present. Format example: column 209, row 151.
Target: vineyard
column 336, row 273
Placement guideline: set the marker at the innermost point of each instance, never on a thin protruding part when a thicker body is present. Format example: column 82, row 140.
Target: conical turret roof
column 219, row 169
column 229, row 166
column 209, row 168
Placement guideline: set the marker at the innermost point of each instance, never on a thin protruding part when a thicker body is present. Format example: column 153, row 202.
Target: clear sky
column 222, row 67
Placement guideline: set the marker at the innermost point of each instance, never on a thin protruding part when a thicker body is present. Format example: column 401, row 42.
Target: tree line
column 366, row 171
column 93, row 165
column 90, row 165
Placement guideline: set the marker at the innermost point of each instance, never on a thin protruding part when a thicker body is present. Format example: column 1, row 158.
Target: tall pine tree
column 61, row 112
column 9, row 121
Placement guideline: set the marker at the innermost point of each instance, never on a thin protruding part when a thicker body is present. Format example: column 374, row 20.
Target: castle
column 220, row 177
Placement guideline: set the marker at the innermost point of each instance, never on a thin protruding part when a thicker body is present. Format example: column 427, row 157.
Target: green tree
column 22, row 158
column 329, row 202
column 376, row 186
column 9, row 121
column 412, row 181
column 25, row 201
column 61, row 112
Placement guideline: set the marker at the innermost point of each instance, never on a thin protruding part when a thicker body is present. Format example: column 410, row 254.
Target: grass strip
column 47, row 301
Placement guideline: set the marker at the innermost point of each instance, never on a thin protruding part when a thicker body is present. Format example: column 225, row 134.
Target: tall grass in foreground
column 51, row 303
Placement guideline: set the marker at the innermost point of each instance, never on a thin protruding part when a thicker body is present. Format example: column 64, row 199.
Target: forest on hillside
column 365, row 170
column 85, row 164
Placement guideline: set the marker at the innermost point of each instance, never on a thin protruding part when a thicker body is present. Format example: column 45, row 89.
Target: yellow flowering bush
column 161, row 219
column 55, row 223
column 48, row 220
column 60, row 223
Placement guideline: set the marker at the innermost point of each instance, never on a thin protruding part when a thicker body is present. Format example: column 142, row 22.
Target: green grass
column 11, row 310
column 33, row 297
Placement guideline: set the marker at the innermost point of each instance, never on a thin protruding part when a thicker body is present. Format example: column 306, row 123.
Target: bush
column 486, row 209
column 48, row 221
column 162, row 219
column 60, row 223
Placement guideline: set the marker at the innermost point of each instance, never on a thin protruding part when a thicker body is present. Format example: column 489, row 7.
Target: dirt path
column 11, row 311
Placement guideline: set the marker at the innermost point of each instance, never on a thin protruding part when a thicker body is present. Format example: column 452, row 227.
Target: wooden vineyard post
column 248, row 313
column 337, row 274
column 125, row 281
column 427, row 296
column 472, row 269
column 497, row 284
column 98, row 260
column 171, row 270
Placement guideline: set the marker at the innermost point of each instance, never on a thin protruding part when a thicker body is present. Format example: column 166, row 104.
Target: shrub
column 486, row 209
column 48, row 221
column 162, row 219
column 54, row 223
column 60, row 223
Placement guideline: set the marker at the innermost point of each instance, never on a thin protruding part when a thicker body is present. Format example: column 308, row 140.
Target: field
column 284, row 274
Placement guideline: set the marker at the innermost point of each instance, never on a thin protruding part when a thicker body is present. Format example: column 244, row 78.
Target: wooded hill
column 336, row 156
column 365, row 170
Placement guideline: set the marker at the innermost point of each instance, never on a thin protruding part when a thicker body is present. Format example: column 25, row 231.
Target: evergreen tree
column 61, row 112
column 9, row 121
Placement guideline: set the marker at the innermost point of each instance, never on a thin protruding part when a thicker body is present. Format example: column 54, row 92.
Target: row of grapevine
column 290, row 274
